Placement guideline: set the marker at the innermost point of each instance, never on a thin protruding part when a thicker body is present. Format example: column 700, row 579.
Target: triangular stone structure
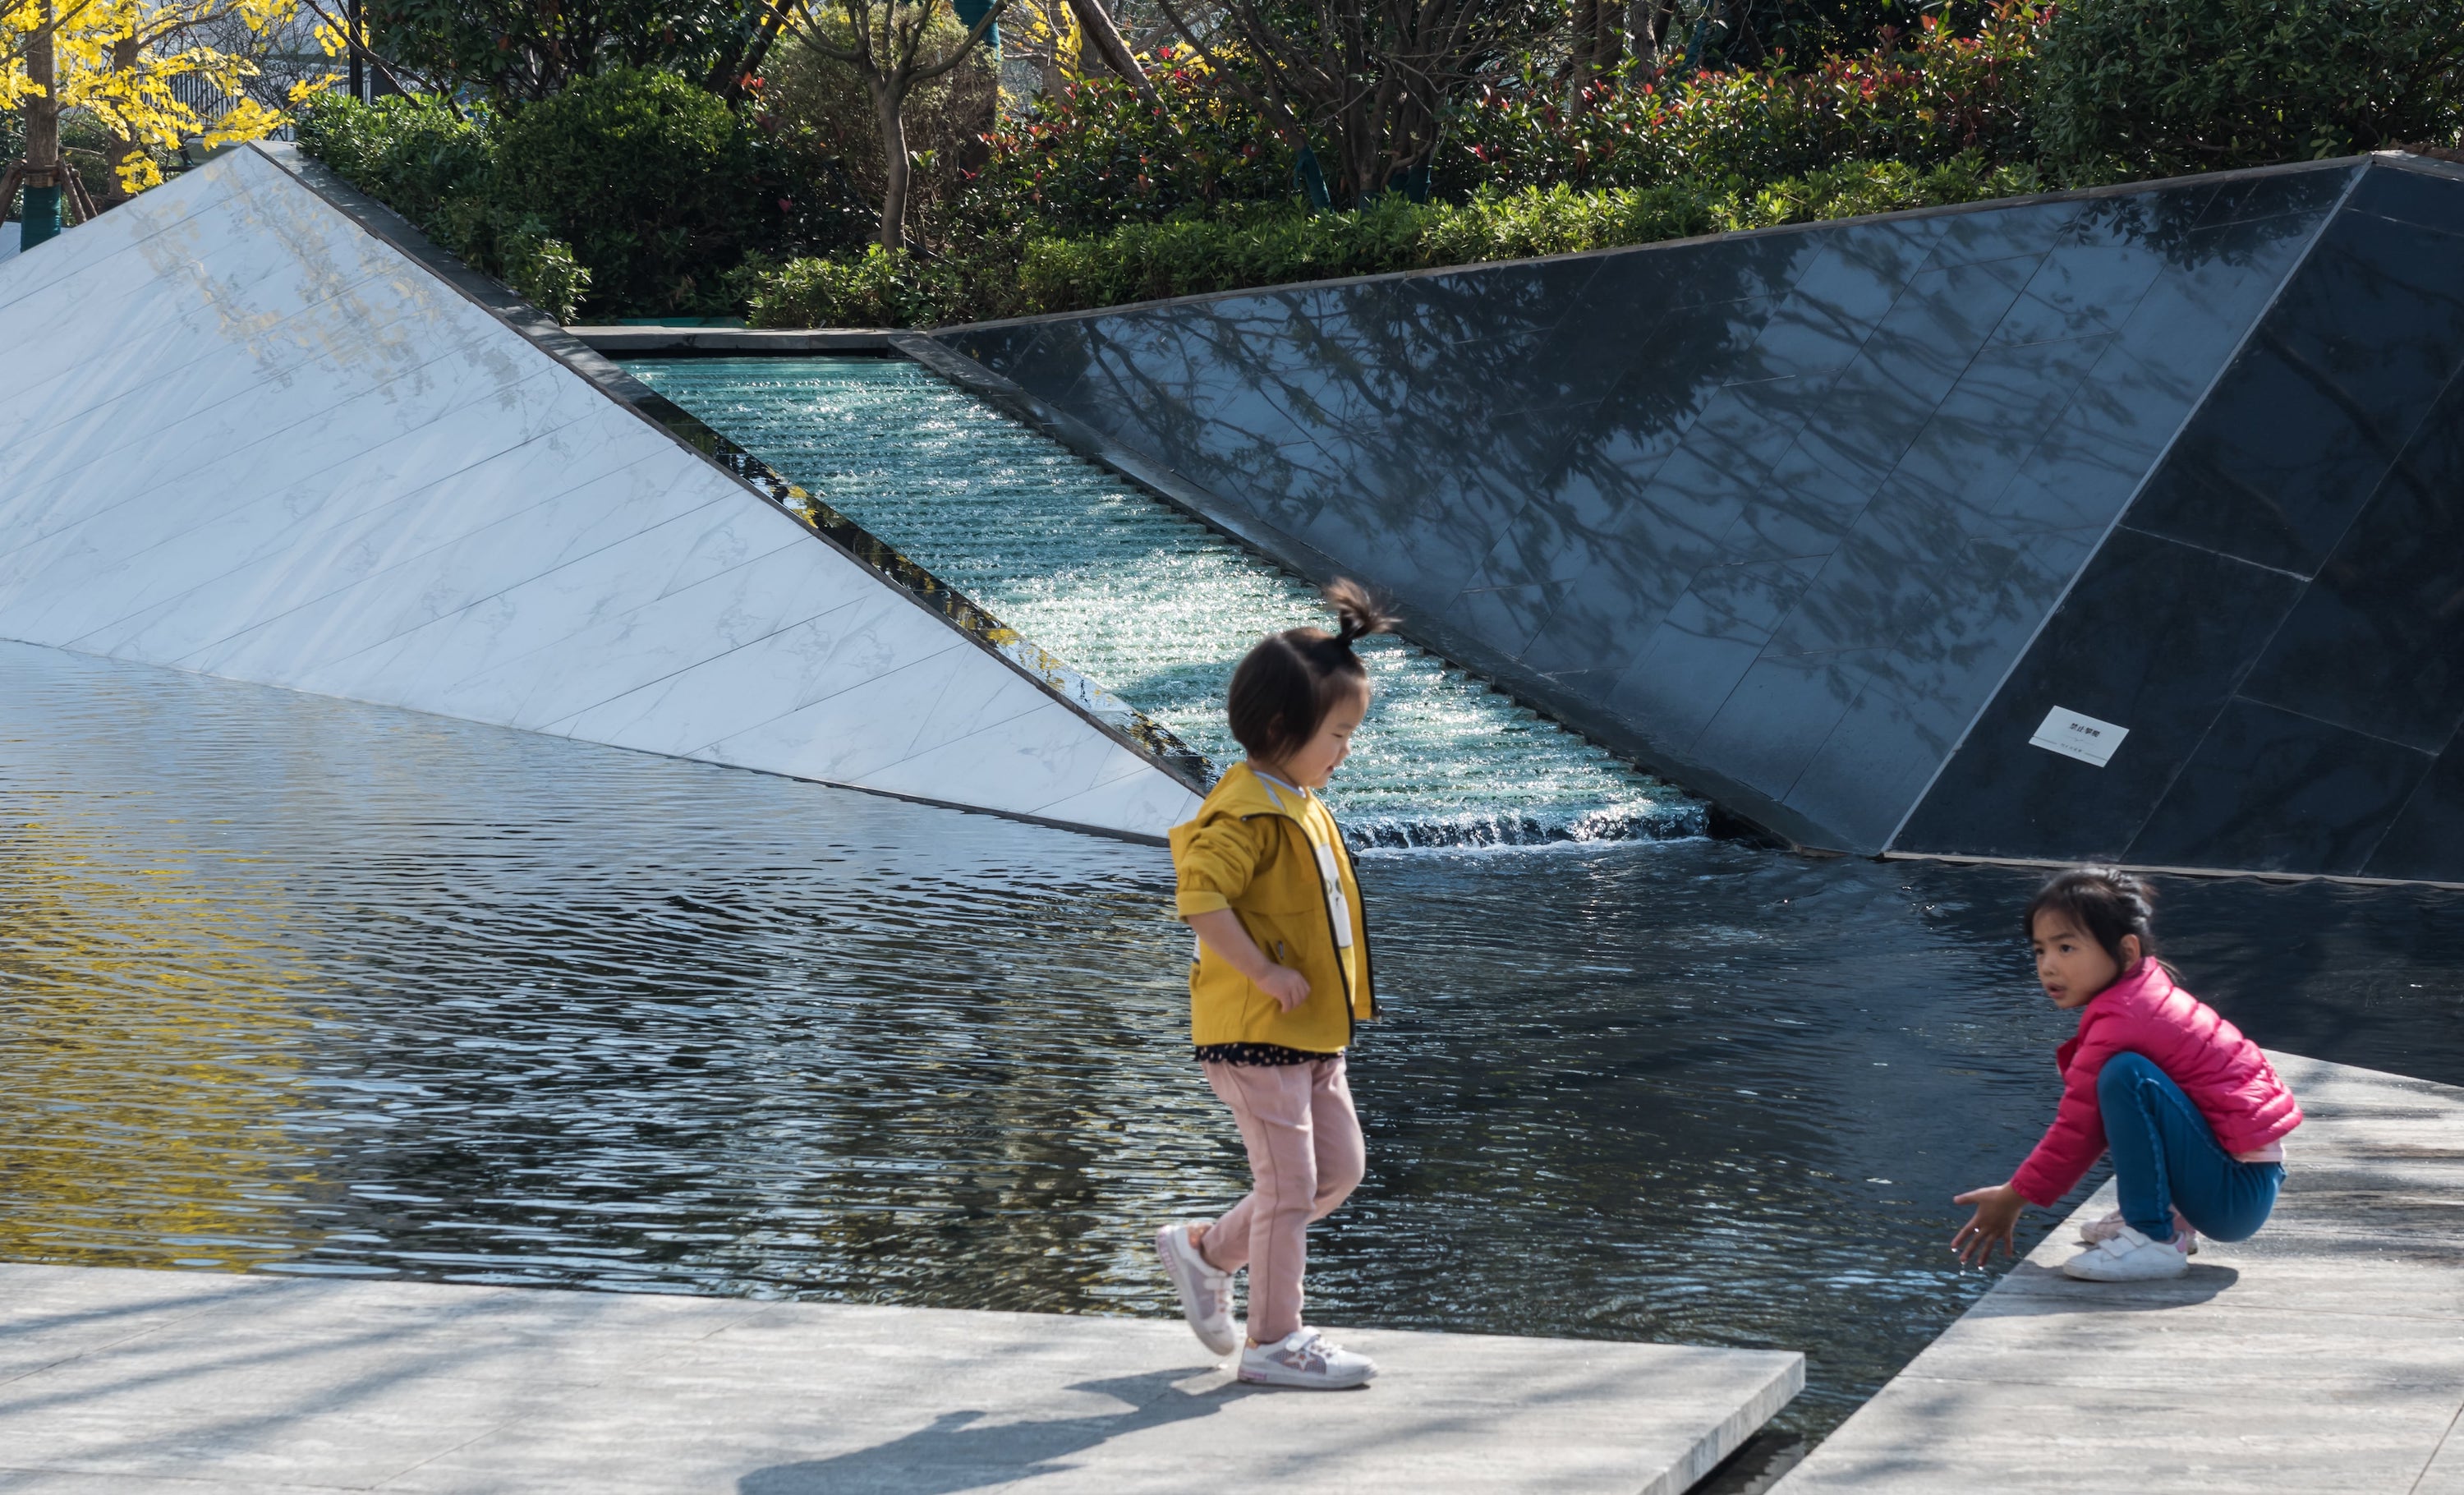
column 2124, row 524
column 243, row 436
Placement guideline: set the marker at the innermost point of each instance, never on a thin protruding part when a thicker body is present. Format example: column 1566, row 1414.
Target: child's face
column 2071, row 967
column 1314, row 761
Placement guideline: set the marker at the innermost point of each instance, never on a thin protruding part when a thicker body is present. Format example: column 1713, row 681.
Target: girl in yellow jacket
column 1279, row 976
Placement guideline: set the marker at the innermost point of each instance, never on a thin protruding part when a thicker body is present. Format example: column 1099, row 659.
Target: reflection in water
column 319, row 987
column 153, row 1030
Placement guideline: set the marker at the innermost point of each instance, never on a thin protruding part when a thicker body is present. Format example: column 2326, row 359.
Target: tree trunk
column 42, row 179
column 889, row 104
column 1100, row 37
column 123, row 60
column 727, row 77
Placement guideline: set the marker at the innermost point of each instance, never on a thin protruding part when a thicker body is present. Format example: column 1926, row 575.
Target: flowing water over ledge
column 295, row 984
column 1149, row 603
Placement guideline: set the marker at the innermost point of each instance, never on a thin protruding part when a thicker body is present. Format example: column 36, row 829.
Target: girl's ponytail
column 1357, row 613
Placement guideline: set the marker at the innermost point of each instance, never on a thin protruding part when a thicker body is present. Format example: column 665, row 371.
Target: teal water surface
column 1150, row 604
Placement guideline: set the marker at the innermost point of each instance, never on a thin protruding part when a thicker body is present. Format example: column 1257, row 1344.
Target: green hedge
column 629, row 194
column 1261, row 246
column 2130, row 88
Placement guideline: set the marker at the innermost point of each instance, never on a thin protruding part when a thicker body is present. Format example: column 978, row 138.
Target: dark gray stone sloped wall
column 1773, row 513
column 2279, row 619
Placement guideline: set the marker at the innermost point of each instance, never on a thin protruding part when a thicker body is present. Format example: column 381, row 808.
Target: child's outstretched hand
column 1996, row 1218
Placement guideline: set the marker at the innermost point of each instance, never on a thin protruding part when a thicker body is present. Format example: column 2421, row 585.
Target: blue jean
column 2165, row 1156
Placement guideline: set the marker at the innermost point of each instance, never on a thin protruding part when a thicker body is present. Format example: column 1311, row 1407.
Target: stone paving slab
column 2326, row 1354
column 114, row 1381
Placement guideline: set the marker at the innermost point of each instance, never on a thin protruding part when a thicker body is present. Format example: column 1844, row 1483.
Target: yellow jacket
column 1249, row 848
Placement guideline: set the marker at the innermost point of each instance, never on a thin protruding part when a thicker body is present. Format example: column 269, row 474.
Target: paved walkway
column 2324, row 1355
column 133, row 1382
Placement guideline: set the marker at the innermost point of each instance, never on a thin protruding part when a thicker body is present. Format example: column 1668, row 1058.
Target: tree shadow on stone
column 957, row 1452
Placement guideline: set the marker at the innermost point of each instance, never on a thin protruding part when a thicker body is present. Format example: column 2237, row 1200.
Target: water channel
column 1149, row 603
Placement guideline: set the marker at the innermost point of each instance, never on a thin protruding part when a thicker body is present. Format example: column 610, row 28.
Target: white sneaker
column 1304, row 1359
column 2097, row 1232
column 1205, row 1294
column 2127, row 1256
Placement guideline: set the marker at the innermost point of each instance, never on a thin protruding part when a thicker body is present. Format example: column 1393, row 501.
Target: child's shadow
column 2036, row 1292
column 954, row 1455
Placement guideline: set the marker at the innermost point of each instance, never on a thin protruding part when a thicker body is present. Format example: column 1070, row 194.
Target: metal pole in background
column 42, row 178
column 351, row 19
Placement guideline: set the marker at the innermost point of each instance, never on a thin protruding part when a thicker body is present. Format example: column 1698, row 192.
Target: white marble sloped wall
column 240, row 435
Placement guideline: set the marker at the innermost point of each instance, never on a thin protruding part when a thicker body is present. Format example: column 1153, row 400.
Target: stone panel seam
column 2020, row 656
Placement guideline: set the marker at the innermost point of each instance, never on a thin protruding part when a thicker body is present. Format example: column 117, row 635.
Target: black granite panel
column 2081, row 290
column 2429, row 832
column 1783, row 708
column 2154, row 637
column 2005, row 406
column 1609, row 327
column 2269, row 791
column 1592, row 512
column 1695, row 658
column 1002, row 349
column 2311, row 190
column 2427, row 199
column 1985, row 603
column 2309, row 418
column 1841, row 296
column 1942, row 320
column 2377, row 641
column 1786, row 505
column 2158, row 364
column 2025, row 231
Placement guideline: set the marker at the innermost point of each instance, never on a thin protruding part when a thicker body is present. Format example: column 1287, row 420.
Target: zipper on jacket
column 1351, row 1020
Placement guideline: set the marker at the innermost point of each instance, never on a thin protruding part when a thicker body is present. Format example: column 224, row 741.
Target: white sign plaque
column 2083, row 738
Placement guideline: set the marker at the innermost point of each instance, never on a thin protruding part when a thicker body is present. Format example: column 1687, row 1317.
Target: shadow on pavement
column 958, row 1452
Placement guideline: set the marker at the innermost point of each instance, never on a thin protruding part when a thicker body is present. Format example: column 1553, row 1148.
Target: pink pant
column 1304, row 1159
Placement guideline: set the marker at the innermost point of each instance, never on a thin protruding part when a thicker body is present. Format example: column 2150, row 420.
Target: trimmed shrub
column 1945, row 93
column 2133, row 88
column 629, row 194
column 1281, row 245
column 1097, row 155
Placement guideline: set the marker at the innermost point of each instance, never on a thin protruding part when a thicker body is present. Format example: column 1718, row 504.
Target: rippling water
column 1149, row 603
column 293, row 984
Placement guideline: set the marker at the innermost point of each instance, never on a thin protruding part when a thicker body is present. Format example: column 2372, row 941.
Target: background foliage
column 516, row 51
column 2138, row 88
column 1278, row 244
column 630, row 194
column 671, row 201
column 1095, row 154
column 819, row 108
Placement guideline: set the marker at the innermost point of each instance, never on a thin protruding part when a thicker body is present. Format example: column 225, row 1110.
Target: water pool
column 293, row 984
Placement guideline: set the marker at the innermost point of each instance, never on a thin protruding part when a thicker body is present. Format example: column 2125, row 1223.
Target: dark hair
column 1285, row 687
column 2104, row 903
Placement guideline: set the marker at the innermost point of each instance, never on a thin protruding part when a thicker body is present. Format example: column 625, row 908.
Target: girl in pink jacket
column 2192, row 1112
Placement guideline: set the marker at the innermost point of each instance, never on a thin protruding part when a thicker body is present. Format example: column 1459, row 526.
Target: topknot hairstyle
column 2104, row 903
column 1285, row 687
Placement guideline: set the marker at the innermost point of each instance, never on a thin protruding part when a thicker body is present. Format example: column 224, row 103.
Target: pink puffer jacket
column 2144, row 1013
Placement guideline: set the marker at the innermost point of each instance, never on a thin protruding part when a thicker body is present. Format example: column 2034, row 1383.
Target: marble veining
column 295, row 457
